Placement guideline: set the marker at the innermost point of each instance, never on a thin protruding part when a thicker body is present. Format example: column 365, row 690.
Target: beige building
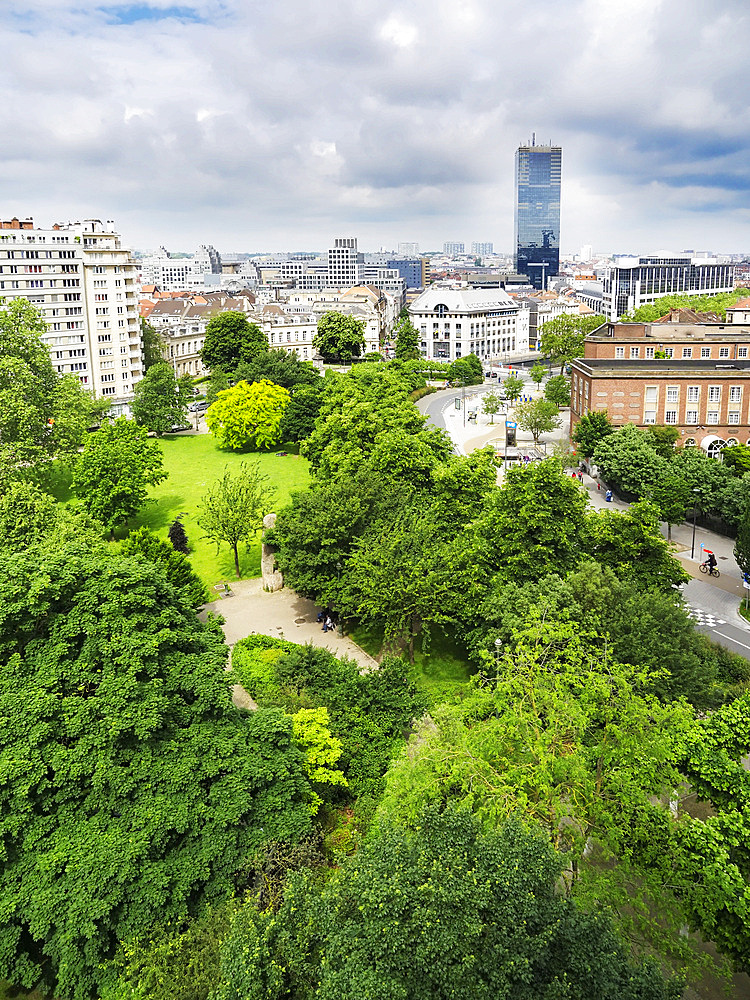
column 84, row 282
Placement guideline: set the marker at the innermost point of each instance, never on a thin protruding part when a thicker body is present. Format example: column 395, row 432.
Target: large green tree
column 132, row 789
column 230, row 339
column 563, row 337
column 557, row 390
column 248, row 415
column 279, row 366
column 339, row 337
column 154, row 347
column 301, row 413
column 113, row 473
column 590, row 430
column 233, row 509
column 435, row 912
column 161, row 399
column 538, row 416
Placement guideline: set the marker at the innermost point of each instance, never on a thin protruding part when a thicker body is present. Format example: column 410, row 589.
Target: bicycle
column 711, row 570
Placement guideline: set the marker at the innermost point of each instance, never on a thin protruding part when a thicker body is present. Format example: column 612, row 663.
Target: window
column 733, row 417
column 693, row 394
column 633, row 352
column 705, row 352
column 108, row 390
column 712, row 417
column 649, row 416
column 670, row 416
column 723, row 352
column 741, row 352
column 673, row 394
column 108, row 378
column 687, row 352
column 714, row 393
column 651, row 393
column 669, row 352
column 690, row 442
column 648, row 352
column 691, row 416
column 619, row 352
column 735, row 393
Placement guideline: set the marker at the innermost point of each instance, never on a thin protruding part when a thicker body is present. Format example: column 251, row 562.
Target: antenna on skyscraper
column 533, row 138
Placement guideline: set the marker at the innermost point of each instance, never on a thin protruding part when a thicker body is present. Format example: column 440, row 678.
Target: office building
column 454, row 322
column 483, row 249
column 413, row 270
column 408, row 249
column 536, row 223
column 345, row 263
column 453, row 249
column 176, row 274
column 83, row 281
column 632, row 282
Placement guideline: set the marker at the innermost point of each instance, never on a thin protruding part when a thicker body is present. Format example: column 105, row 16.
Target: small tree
column 178, row 536
column 234, row 507
column 248, row 415
column 407, row 339
column 340, row 337
column 538, row 416
column 161, row 399
column 590, row 430
column 466, row 370
column 113, row 474
column 672, row 495
column 491, row 404
column 557, row 390
column 153, row 345
column 537, row 373
column 513, row 386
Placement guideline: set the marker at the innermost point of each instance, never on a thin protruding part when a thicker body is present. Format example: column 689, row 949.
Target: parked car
column 180, row 427
column 198, row 406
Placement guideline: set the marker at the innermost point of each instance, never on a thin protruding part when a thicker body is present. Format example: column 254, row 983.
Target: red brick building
column 682, row 335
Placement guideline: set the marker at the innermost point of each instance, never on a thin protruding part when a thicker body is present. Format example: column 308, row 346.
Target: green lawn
column 441, row 673
column 194, row 463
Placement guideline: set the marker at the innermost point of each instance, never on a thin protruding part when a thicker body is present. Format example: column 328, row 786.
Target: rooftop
column 661, row 365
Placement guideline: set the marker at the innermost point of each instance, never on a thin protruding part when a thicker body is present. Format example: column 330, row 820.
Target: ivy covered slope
column 131, row 790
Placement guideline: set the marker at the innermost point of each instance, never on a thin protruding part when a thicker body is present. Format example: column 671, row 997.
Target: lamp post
column 498, row 655
column 695, row 511
column 340, row 629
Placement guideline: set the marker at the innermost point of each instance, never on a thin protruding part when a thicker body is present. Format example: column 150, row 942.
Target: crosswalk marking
column 706, row 618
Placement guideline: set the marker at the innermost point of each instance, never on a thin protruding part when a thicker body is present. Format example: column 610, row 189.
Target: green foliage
column 742, row 543
column 322, row 750
column 557, row 390
column 26, row 516
column 538, row 416
column 563, row 337
column 218, row 382
column 369, row 713
column 160, row 399
column 737, row 458
column 339, row 337
column 407, row 339
column 491, row 404
column 627, row 462
column 154, row 347
column 117, row 465
column 662, row 439
column 230, row 339
column 440, row 911
column 717, row 304
column 590, row 430
column 176, row 566
column 513, row 387
column 279, row 366
column 466, row 370
column 74, row 411
column 133, row 790
column 301, row 412
column 537, row 373
column 248, row 415
column 234, row 507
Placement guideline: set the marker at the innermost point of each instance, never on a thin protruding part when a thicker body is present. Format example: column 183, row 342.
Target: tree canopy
column 230, row 339
column 160, row 398
column 340, row 337
column 563, row 337
column 233, row 509
column 538, row 416
column 248, row 415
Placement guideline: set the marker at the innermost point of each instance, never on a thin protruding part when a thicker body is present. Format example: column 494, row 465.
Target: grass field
column 194, row 463
column 441, row 672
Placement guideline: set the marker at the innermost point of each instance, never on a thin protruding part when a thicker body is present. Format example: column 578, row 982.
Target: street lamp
column 695, row 511
column 498, row 655
column 338, row 577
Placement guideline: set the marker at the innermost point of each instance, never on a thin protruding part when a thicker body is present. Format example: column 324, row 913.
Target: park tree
column 491, row 404
column 662, row 439
column 301, row 412
column 248, row 415
column 590, row 430
column 26, row 516
column 178, row 536
column 230, row 339
column 233, row 509
column 218, row 381
column 176, row 566
column 154, row 346
column 112, row 475
column 563, row 337
column 279, row 366
column 161, row 399
column 557, row 390
column 407, row 338
column 133, row 791
column 513, row 387
column 537, row 373
column 538, row 416
column 477, row 901
column 466, row 370
column 339, row 337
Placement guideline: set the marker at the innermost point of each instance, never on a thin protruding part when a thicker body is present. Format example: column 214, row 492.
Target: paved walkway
column 283, row 615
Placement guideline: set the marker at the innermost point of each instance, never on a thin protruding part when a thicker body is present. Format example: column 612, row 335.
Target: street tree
column 248, row 415
column 114, row 471
column 466, row 370
column 563, row 337
column 590, row 430
column 154, row 346
column 491, row 404
column 662, row 439
column 742, row 542
column 339, row 337
column 538, row 416
column 233, row 509
column 537, row 373
column 161, row 399
column 133, row 791
column 627, row 461
column 407, row 339
column 230, row 339
column 557, row 390
column 478, row 902
column 673, row 496
column 513, row 387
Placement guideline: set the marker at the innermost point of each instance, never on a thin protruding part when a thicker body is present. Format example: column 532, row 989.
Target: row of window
column 650, row 353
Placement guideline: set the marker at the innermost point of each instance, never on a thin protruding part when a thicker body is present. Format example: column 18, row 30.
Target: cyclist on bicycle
column 711, row 562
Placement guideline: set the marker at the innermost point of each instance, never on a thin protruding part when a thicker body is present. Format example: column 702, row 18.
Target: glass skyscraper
column 537, row 216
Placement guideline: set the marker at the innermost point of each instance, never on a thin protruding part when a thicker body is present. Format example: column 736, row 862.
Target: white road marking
column 732, row 639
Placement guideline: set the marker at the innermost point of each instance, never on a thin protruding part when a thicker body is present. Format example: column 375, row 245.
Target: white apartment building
column 176, row 274
column 454, row 322
column 632, row 282
column 293, row 332
column 83, row 281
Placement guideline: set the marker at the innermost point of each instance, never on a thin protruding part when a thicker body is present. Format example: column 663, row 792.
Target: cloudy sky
column 277, row 124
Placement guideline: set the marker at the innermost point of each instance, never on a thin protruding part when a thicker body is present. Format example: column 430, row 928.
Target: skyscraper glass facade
column 537, row 214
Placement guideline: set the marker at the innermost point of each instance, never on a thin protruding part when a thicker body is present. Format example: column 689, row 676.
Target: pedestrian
column 608, row 496
column 329, row 624
column 320, row 618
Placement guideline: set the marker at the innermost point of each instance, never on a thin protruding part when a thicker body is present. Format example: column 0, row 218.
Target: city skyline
column 271, row 127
